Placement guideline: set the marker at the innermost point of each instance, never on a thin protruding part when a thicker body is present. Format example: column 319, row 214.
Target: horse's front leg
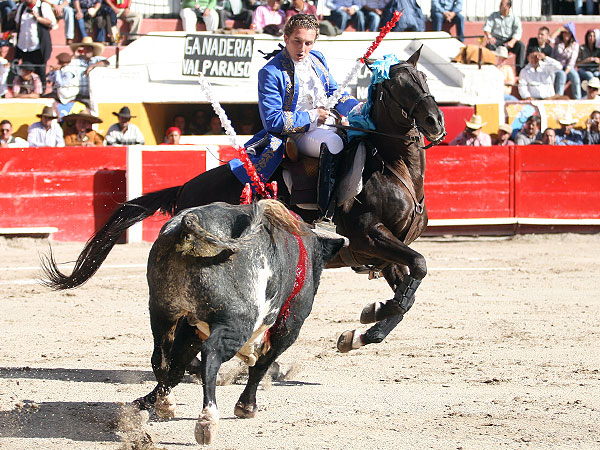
column 404, row 276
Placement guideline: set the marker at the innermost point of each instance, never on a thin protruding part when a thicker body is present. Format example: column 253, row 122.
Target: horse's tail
column 101, row 243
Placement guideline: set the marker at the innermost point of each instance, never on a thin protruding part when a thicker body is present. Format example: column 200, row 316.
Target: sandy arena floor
column 501, row 350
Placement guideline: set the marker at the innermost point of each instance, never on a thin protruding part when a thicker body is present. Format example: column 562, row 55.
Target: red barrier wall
column 466, row 182
column 76, row 189
column 558, row 182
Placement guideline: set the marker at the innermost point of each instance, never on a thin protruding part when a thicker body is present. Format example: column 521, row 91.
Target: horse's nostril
column 430, row 121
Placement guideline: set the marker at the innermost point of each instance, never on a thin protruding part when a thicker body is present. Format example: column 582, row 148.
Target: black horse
column 385, row 218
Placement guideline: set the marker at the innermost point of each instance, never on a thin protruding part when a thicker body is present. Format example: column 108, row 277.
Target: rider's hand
column 323, row 115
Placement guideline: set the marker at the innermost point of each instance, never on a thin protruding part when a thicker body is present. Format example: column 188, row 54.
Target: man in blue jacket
column 293, row 91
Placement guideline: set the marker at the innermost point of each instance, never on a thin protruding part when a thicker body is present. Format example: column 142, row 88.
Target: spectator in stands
column 88, row 57
column 530, row 134
column 591, row 87
column 65, row 87
column 536, row 80
column 214, row 127
column 179, row 122
column 124, row 132
column 412, row 19
column 62, row 10
column 34, row 20
column 82, row 134
column 47, row 132
column 27, row 84
column 344, row 11
column 122, row 10
column 247, row 126
column 588, row 60
column 591, row 135
column 234, row 10
column 7, row 139
column 85, row 12
column 269, row 18
column 508, row 73
column 504, row 28
column 566, row 51
column 172, row 136
column 549, row 137
column 541, row 43
column 373, row 12
column 4, row 67
column 300, row 7
column 448, row 11
column 568, row 135
column 194, row 10
column 6, row 7
column 106, row 24
column 472, row 134
column 589, row 7
column 503, row 135
column 199, row 123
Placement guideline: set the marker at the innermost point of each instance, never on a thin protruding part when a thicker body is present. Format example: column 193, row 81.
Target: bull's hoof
column 165, row 407
column 344, row 343
column 244, row 411
column 369, row 313
column 206, row 428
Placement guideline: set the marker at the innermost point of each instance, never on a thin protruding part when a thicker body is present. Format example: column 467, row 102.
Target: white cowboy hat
column 567, row 119
column 88, row 42
column 506, row 128
column 593, row 82
column 475, row 122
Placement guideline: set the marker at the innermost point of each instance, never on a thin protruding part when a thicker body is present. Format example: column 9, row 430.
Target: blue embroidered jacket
column 277, row 99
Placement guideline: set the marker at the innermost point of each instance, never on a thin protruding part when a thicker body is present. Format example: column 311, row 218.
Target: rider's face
column 300, row 43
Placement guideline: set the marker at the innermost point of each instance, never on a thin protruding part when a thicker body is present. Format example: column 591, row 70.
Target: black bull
column 227, row 280
column 386, row 217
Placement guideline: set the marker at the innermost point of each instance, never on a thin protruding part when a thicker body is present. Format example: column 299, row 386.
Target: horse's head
column 405, row 100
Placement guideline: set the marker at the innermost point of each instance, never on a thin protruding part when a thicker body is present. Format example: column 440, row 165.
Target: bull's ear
column 414, row 58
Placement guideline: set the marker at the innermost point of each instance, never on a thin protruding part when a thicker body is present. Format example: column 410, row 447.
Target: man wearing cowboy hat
column 124, row 133
column 472, row 134
column 591, row 86
column 47, row 132
column 88, row 57
column 568, row 135
column 81, row 132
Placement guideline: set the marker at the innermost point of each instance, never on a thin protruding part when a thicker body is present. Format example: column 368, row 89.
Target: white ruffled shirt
column 311, row 93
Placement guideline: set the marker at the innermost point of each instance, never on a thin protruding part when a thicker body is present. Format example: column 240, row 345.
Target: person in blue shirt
column 293, row 92
column 448, row 11
column 343, row 11
column 568, row 135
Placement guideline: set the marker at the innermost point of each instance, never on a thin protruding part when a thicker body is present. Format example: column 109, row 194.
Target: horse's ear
column 368, row 63
column 415, row 57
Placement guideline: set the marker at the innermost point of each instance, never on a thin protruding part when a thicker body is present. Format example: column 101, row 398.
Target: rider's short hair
column 306, row 21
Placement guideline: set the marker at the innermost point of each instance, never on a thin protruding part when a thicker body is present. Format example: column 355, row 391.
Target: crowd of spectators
column 530, row 133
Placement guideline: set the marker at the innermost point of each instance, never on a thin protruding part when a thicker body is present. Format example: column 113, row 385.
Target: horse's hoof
column 244, row 411
column 344, row 343
column 369, row 313
column 165, row 407
column 206, row 428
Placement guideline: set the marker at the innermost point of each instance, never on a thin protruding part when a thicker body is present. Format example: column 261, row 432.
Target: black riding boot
column 328, row 166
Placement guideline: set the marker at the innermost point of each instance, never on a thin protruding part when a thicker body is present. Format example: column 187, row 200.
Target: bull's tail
column 101, row 243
